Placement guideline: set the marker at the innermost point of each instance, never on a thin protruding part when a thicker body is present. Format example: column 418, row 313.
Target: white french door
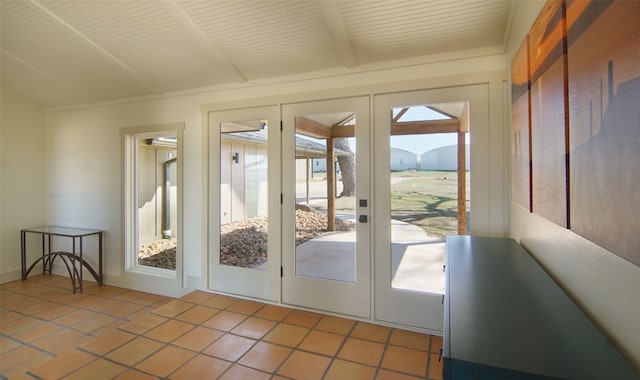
column 244, row 202
column 417, row 143
column 301, row 202
column 326, row 206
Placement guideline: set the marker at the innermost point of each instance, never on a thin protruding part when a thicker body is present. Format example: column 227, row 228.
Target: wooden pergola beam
column 312, row 128
column 462, row 184
column 317, row 130
column 343, row 131
column 425, row 127
column 321, row 131
column 399, row 115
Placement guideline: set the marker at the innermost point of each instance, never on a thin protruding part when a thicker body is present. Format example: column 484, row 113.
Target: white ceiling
column 85, row 51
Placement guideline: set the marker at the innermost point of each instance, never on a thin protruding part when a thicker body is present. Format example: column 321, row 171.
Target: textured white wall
column 22, row 183
column 601, row 283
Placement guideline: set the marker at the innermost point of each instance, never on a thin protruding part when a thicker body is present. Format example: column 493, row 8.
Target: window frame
column 130, row 137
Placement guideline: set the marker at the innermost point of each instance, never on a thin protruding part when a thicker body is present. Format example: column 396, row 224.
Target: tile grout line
column 121, row 320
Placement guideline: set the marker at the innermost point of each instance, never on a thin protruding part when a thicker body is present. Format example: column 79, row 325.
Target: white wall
column 84, row 169
column 84, row 186
column 22, row 180
column 601, row 283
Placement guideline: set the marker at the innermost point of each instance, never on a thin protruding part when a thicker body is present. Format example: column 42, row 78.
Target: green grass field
column 428, row 199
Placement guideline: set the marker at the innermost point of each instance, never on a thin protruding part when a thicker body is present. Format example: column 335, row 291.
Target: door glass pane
column 243, row 193
column 326, row 196
column 156, row 171
column 424, row 193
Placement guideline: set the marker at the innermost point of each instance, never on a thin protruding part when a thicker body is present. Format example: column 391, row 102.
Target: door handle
column 362, row 219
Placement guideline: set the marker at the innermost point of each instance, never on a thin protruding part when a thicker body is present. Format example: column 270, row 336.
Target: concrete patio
column 417, row 260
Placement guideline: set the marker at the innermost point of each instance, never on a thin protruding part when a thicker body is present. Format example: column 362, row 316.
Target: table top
column 504, row 311
column 62, row 231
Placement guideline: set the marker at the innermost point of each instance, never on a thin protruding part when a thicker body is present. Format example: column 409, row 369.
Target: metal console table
column 73, row 260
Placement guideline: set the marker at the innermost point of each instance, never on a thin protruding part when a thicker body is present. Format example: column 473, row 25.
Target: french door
column 292, row 214
column 420, row 177
column 326, row 206
column 244, row 202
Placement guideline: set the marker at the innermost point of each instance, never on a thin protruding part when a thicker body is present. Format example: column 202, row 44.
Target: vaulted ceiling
column 86, row 51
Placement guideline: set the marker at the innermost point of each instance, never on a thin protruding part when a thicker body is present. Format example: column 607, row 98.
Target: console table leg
column 73, row 264
column 81, row 262
column 23, row 254
column 44, row 267
column 100, row 258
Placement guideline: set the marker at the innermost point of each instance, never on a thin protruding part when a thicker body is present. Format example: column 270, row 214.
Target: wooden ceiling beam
column 312, row 128
column 344, row 131
column 317, row 130
column 399, row 115
column 425, row 127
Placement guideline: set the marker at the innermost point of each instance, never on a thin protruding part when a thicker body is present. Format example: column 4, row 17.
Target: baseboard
column 10, row 276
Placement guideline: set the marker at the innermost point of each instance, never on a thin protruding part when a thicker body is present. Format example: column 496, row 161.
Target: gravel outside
column 243, row 243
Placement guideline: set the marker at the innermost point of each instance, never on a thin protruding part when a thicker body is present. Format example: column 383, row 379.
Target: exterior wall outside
column 150, row 193
column 403, row 160
column 601, row 283
column 302, row 167
column 243, row 185
column 443, row 158
column 319, row 165
column 22, row 177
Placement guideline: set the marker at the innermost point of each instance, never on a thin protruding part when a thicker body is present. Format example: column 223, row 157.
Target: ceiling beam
column 338, row 29
column 400, row 114
column 34, row 4
column 212, row 49
column 312, row 128
column 344, row 131
column 317, row 130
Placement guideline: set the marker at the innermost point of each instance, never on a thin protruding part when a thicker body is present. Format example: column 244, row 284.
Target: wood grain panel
column 521, row 128
column 604, row 111
column 548, row 114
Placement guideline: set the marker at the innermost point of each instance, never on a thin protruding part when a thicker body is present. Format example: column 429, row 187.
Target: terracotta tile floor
column 46, row 332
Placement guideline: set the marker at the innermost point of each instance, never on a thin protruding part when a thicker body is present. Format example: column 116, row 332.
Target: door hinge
column 281, row 271
column 443, row 299
column 280, row 124
column 281, row 198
